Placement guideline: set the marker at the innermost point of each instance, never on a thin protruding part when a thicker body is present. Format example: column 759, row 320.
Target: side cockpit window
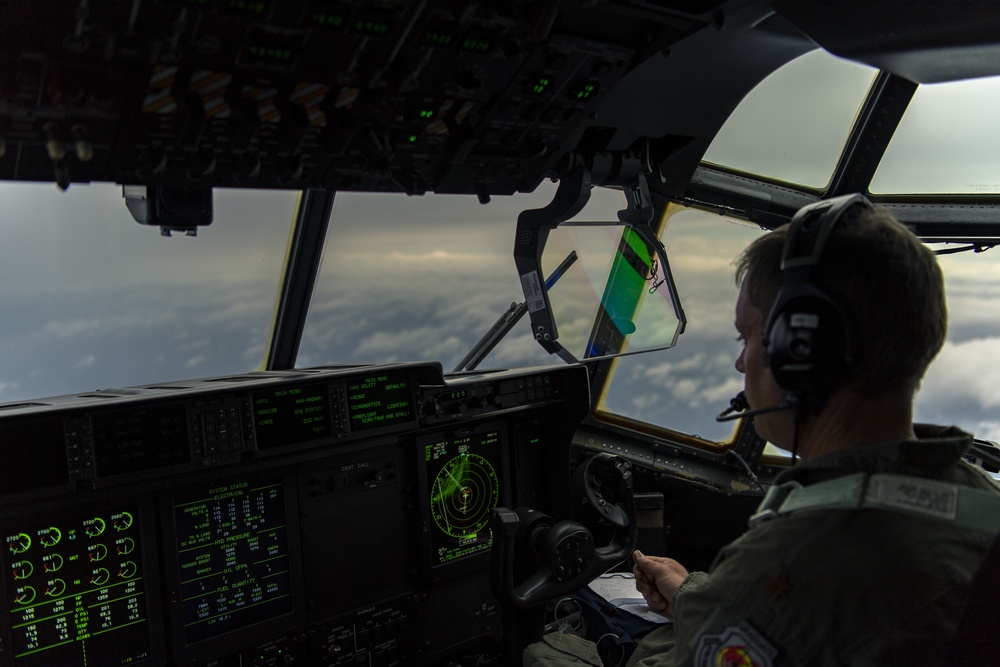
column 683, row 388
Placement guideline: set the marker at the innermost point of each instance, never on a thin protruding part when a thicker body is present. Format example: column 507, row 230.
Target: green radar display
column 464, row 485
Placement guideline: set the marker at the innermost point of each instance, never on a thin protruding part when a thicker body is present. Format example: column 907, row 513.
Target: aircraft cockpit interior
column 350, row 332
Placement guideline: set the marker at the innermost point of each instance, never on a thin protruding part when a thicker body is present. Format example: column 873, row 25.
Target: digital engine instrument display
column 289, row 415
column 379, row 400
column 75, row 590
column 463, row 476
column 127, row 441
column 34, row 453
column 232, row 543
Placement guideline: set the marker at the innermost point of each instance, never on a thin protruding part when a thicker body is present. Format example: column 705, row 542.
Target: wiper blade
column 507, row 321
column 975, row 247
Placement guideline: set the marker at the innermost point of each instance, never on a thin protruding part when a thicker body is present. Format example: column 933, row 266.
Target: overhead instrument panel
column 477, row 98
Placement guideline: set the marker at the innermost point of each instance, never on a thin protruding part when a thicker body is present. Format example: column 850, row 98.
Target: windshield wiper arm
column 507, row 321
column 975, row 247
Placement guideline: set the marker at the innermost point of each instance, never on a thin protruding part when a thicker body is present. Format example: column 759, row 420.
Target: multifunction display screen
column 75, row 590
column 34, row 454
column 289, row 415
column 464, row 475
column 232, row 543
column 127, row 441
column 379, row 400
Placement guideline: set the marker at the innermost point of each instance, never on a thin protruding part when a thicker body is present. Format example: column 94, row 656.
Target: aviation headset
column 810, row 344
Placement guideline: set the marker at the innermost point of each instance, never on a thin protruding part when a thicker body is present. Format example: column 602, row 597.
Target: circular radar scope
column 463, row 493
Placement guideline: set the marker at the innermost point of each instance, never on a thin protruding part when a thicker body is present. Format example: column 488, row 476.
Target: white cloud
column 116, row 324
column 986, row 430
column 195, row 361
column 663, row 373
column 964, row 374
column 87, row 361
column 644, row 402
column 74, row 327
column 721, row 393
column 426, row 342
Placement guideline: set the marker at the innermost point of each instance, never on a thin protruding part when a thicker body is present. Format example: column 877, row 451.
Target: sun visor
column 596, row 289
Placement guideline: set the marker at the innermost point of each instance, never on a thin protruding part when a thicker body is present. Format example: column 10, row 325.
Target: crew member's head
column 889, row 289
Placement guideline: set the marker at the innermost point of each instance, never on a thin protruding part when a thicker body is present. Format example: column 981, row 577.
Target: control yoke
column 536, row 559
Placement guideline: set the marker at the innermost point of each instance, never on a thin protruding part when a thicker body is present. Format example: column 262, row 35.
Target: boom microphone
column 738, row 407
column 737, row 404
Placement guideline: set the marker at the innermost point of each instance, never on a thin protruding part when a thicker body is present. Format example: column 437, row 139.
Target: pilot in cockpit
column 863, row 551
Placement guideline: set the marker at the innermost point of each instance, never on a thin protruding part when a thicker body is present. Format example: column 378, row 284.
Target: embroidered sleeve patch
column 916, row 495
column 736, row 646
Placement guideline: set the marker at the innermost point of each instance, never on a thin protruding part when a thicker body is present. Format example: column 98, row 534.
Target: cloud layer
column 403, row 279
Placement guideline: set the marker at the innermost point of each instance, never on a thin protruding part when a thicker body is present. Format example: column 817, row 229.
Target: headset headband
column 809, row 341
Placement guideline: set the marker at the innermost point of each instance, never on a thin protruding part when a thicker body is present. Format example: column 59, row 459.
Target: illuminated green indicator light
column 413, row 138
column 438, row 38
column 540, row 87
column 271, row 52
column 248, row 6
column 426, row 113
column 332, row 20
column 373, row 27
column 479, row 45
column 586, row 92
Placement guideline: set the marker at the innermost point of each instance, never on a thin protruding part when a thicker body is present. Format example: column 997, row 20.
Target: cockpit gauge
column 24, row 595
column 100, row 576
column 121, row 521
column 22, row 569
column 94, row 527
column 55, row 587
column 464, row 491
column 97, row 552
column 124, row 545
column 127, row 570
column 52, row 563
column 19, row 543
column 49, row 537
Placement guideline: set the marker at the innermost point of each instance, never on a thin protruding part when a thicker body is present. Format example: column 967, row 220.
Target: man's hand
column 657, row 579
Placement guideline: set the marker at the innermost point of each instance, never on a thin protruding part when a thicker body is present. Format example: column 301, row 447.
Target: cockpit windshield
column 93, row 300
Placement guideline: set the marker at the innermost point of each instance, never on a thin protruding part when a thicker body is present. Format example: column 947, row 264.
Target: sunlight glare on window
column 946, row 143
column 793, row 126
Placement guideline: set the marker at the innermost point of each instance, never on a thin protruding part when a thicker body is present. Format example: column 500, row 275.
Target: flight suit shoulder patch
column 739, row 645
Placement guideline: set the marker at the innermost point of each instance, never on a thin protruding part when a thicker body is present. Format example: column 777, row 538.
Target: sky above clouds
column 111, row 303
column 91, row 299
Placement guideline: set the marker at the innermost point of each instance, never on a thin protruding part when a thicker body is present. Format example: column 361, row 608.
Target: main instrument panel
column 326, row 516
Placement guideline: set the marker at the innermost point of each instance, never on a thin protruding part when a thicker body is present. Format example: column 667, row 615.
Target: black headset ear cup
column 809, row 343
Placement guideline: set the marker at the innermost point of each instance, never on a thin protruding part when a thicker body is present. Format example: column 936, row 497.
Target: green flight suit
column 833, row 586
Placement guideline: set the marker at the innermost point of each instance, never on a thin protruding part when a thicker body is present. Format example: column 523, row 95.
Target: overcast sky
column 91, row 299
